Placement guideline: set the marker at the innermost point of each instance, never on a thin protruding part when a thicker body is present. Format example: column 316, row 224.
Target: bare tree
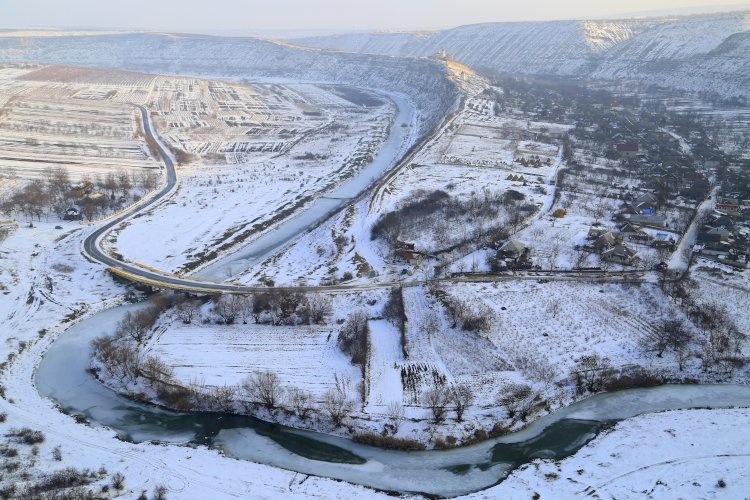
column 301, row 402
column 554, row 253
column 264, row 388
column 230, row 307
column 582, row 257
column 136, row 325
column 461, row 396
column 592, row 371
column 319, row 307
column 186, row 311
column 352, row 337
column 517, row 400
column 395, row 414
column 125, row 182
column 337, row 406
column 436, row 399
column 656, row 339
column 683, row 354
column 223, row 398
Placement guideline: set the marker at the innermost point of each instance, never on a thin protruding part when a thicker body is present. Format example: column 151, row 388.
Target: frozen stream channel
column 62, row 376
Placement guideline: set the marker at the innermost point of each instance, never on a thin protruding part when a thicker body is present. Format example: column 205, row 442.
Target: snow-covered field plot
column 730, row 289
column 219, row 121
column 538, row 325
column 436, row 351
column 47, row 124
column 384, row 367
column 675, row 454
column 304, row 357
column 218, row 205
column 481, row 146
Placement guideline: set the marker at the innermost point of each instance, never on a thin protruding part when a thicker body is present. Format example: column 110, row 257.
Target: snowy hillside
column 693, row 53
column 426, row 83
column 507, row 46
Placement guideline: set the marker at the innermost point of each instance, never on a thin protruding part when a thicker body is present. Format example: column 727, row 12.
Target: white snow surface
column 662, row 455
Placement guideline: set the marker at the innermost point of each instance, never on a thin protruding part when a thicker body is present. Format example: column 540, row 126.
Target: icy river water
column 63, row 377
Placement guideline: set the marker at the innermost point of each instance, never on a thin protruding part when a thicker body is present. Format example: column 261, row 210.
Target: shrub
column 499, row 430
column 7, row 491
column 638, row 378
column 27, row 436
column 388, row 442
column 8, row 452
column 160, row 492
column 62, row 479
column 118, row 481
column 353, row 337
column 478, row 436
column 175, row 397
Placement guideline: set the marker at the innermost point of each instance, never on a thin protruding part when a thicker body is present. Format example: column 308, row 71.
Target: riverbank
column 428, row 472
column 190, row 472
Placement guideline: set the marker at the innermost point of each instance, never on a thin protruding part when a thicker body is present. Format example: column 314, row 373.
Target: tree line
column 91, row 195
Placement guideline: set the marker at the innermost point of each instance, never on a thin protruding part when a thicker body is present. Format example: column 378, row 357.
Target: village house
column 649, row 220
column 729, row 206
column 605, row 242
column 629, row 150
column 631, row 232
column 407, row 253
column 513, row 249
column 595, row 232
column 620, row 254
column 73, row 213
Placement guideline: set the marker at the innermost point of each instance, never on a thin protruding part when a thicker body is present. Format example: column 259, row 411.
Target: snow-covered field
column 256, row 186
column 303, row 357
column 471, row 156
column 79, row 124
column 676, row 454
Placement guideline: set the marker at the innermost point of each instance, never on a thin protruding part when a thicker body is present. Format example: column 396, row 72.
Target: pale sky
column 323, row 15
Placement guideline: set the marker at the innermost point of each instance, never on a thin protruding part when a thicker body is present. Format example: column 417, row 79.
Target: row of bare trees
column 57, row 192
column 442, row 397
column 275, row 307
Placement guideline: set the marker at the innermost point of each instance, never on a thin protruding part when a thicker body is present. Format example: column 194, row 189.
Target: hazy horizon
column 298, row 18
